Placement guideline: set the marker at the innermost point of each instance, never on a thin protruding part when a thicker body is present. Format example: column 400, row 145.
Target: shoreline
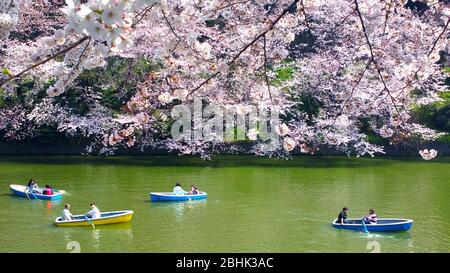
column 78, row 149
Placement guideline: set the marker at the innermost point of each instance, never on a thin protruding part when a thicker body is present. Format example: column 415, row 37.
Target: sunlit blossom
column 428, row 154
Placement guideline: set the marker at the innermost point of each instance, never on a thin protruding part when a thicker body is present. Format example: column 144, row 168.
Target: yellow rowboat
column 106, row 218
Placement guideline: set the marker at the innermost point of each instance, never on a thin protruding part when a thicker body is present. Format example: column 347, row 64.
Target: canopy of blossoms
column 365, row 64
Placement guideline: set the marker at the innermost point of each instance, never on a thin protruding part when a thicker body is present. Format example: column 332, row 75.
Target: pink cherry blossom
column 428, row 154
column 371, row 61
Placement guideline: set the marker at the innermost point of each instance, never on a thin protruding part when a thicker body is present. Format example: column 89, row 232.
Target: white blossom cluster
column 371, row 61
column 107, row 21
column 428, row 154
column 9, row 16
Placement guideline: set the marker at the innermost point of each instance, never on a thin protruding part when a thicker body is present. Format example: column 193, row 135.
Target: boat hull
column 107, row 218
column 23, row 192
column 169, row 196
column 387, row 224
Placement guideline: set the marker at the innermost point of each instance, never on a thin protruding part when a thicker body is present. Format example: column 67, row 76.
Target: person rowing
column 66, row 214
column 32, row 186
column 94, row 213
column 371, row 218
column 178, row 190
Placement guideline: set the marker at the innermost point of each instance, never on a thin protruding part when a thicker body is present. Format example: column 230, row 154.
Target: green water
column 253, row 205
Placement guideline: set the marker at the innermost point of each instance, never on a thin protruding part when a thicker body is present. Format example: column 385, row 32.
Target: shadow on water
column 217, row 161
column 31, row 198
column 177, row 203
column 178, row 209
column 401, row 235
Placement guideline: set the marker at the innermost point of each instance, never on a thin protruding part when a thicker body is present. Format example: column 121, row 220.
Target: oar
column 364, row 225
column 34, row 195
column 90, row 222
column 26, row 189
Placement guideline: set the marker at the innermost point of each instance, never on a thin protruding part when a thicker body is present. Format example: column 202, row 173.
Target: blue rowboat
column 386, row 224
column 170, row 196
column 24, row 192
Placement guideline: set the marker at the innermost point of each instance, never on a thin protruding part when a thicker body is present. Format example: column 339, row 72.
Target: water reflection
column 377, row 242
column 251, row 207
column 72, row 245
column 180, row 208
column 53, row 204
column 88, row 239
column 96, row 236
column 125, row 228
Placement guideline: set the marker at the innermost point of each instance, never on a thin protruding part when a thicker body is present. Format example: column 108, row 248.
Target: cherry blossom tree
column 335, row 70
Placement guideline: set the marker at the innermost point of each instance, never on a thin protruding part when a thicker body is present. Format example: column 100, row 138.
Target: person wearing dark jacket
column 342, row 217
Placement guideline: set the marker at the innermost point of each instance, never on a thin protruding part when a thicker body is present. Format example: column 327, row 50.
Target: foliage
column 111, row 71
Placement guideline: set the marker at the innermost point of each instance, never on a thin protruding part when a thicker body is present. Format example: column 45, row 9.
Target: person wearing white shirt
column 177, row 190
column 66, row 214
column 94, row 213
column 32, row 186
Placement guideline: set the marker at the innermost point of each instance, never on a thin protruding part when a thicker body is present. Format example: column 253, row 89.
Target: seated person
column 194, row 190
column 371, row 218
column 94, row 213
column 66, row 214
column 178, row 190
column 47, row 190
column 342, row 217
column 32, row 186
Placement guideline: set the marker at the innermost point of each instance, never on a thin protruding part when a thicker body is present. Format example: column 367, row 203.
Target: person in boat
column 32, row 186
column 194, row 190
column 371, row 218
column 66, row 214
column 342, row 217
column 47, row 190
column 178, row 190
column 94, row 213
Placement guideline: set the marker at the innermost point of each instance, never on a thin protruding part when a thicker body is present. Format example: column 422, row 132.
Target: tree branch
column 230, row 4
column 372, row 56
column 265, row 68
column 354, row 88
column 70, row 47
column 142, row 14
column 243, row 49
column 79, row 59
column 304, row 14
column 61, row 52
column 172, row 29
column 439, row 37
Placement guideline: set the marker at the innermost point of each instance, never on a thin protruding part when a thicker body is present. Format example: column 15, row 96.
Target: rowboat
column 386, row 224
column 25, row 192
column 106, row 218
column 170, row 196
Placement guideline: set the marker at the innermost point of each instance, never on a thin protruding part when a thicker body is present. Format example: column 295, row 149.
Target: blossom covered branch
column 337, row 71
